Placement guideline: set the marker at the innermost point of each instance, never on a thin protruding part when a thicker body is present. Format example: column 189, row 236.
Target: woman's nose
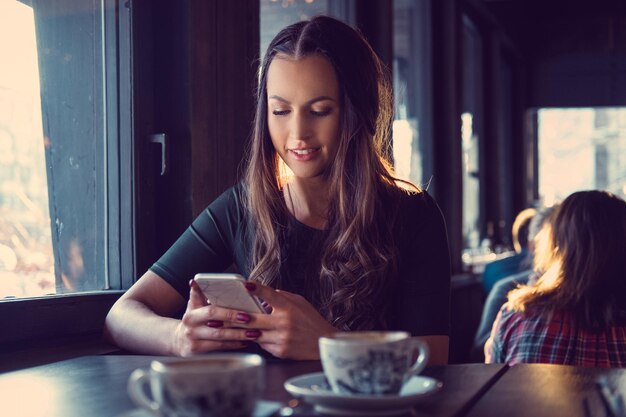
column 300, row 129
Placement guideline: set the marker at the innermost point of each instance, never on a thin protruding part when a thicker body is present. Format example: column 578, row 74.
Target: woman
column 575, row 314
column 324, row 232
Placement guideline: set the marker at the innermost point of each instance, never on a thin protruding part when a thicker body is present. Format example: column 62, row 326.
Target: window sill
column 46, row 322
column 26, row 355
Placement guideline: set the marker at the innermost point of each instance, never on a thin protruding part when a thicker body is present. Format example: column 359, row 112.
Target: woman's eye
column 321, row 113
column 280, row 112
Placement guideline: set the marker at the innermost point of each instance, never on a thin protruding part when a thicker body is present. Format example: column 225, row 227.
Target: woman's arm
column 141, row 321
column 494, row 351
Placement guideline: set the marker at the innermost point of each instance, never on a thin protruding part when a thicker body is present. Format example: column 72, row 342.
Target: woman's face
column 303, row 113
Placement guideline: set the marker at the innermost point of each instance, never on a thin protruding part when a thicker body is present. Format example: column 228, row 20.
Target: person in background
column 498, row 294
column 520, row 261
column 321, row 227
column 575, row 313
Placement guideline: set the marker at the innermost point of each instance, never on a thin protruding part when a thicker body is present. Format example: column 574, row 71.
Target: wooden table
column 540, row 390
column 95, row 386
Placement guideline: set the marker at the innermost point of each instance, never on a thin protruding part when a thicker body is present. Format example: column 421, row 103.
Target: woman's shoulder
column 230, row 204
column 512, row 321
column 233, row 196
column 412, row 214
column 535, row 315
column 412, row 205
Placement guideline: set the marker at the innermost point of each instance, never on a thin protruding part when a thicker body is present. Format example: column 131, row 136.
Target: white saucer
column 313, row 389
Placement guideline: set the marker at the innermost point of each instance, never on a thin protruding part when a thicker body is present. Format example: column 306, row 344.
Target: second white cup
column 371, row 363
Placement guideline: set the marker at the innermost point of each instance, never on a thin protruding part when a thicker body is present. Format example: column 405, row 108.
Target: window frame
column 38, row 321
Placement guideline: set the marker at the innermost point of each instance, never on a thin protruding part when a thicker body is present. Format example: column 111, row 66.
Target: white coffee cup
column 371, row 363
column 207, row 386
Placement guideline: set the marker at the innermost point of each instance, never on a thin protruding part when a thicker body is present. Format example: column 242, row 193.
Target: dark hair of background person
column 358, row 250
column 583, row 260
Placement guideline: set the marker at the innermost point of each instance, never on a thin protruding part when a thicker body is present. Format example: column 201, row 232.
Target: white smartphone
column 228, row 290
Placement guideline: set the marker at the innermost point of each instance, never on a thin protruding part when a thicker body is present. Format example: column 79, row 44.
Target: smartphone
column 228, row 290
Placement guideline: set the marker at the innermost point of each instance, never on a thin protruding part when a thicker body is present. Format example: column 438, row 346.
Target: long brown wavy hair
column 358, row 252
column 583, row 254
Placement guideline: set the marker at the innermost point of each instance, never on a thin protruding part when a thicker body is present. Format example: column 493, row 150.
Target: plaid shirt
column 518, row 338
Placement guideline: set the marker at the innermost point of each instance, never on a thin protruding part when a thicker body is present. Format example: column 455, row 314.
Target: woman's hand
column 204, row 327
column 293, row 327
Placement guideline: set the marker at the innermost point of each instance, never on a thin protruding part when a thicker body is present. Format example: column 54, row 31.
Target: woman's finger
column 269, row 337
column 196, row 297
column 218, row 317
column 223, row 334
column 267, row 294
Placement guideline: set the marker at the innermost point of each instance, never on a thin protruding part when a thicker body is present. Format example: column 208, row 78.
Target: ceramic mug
column 371, row 363
column 208, row 386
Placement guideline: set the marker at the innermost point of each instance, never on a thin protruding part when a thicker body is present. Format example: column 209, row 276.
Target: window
column 581, row 149
column 57, row 180
column 471, row 131
column 26, row 260
column 412, row 131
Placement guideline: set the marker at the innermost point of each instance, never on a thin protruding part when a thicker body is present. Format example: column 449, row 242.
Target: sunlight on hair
column 550, row 279
column 543, row 254
column 285, row 174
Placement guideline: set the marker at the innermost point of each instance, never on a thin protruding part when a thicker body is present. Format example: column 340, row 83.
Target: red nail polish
column 253, row 334
column 250, row 286
column 242, row 317
column 215, row 323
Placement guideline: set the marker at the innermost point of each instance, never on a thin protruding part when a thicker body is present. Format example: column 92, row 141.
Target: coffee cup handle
column 137, row 384
column 417, row 345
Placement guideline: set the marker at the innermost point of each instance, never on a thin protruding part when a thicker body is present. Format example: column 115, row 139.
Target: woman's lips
column 304, row 154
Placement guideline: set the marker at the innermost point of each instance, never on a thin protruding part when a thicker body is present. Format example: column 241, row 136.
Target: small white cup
column 371, row 363
column 207, row 386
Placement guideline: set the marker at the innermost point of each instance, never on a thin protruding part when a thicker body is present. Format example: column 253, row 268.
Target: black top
column 419, row 294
